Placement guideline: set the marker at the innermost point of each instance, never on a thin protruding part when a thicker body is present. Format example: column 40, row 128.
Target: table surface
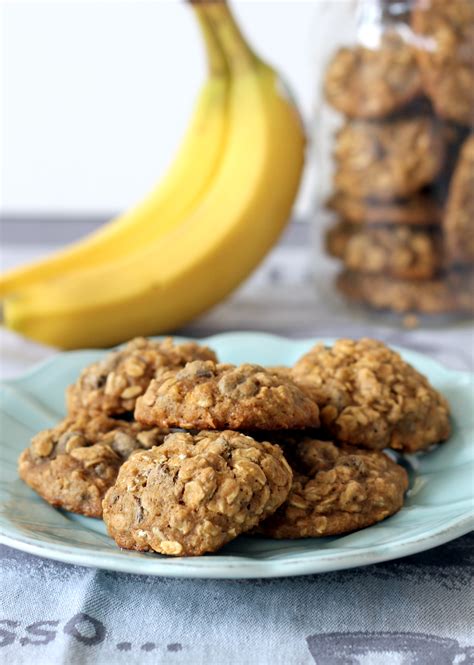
column 413, row 610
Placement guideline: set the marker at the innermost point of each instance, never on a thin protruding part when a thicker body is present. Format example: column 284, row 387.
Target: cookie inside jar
column 394, row 144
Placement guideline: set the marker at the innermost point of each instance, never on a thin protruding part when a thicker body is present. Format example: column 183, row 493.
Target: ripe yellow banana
column 191, row 172
column 199, row 260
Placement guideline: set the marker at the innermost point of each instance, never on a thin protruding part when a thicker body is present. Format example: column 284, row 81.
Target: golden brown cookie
column 448, row 294
column 73, row 465
column 459, row 218
column 195, row 493
column 445, row 31
column 113, row 384
column 336, row 238
column 369, row 396
column 400, row 251
column 417, row 210
column 206, row 395
column 335, row 490
column 364, row 82
column 386, row 160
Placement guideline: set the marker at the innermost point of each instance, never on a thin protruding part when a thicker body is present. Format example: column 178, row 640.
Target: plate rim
column 244, row 334
column 237, row 567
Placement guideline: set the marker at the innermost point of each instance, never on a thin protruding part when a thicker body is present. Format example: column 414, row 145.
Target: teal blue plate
column 439, row 504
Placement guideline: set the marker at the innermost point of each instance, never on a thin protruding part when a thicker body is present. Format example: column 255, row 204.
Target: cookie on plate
column 113, row 384
column 459, row 218
column 450, row 293
column 195, row 493
column 73, row 464
column 386, row 160
column 445, row 34
column 369, row 396
column 401, row 251
column 207, row 395
column 336, row 490
column 364, row 82
column 419, row 209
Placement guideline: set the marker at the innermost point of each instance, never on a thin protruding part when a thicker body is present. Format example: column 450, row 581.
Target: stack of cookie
column 403, row 194
column 180, row 453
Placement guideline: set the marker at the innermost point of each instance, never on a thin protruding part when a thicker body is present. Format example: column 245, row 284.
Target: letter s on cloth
column 7, row 636
column 35, row 629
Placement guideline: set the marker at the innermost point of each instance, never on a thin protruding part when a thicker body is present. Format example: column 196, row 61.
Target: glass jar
column 395, row 153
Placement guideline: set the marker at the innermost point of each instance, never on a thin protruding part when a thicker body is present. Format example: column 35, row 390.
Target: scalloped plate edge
column 236, row 567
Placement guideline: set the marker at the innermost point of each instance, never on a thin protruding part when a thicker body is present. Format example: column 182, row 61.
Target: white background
column 96, row 94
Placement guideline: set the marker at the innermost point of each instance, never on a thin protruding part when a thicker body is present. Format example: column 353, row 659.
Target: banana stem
column 238, row 52
column 216, row 61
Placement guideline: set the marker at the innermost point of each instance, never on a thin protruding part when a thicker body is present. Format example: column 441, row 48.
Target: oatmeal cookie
column 195, row 493
column 386, row 160
column 372, row 83
column 400, row 251
column 336, row 239
column 335, row 490
column 113, row 384
column 206, row 395
column 418, row 210
column 73, row 465
column 445, row 30
column 459, row 219
column 369, row 396
column 448, row 294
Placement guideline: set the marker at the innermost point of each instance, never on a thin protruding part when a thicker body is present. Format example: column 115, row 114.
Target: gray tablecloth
column 416, row 611
column 412, row 611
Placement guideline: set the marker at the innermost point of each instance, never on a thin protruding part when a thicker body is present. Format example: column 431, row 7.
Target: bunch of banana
column 219, row 210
